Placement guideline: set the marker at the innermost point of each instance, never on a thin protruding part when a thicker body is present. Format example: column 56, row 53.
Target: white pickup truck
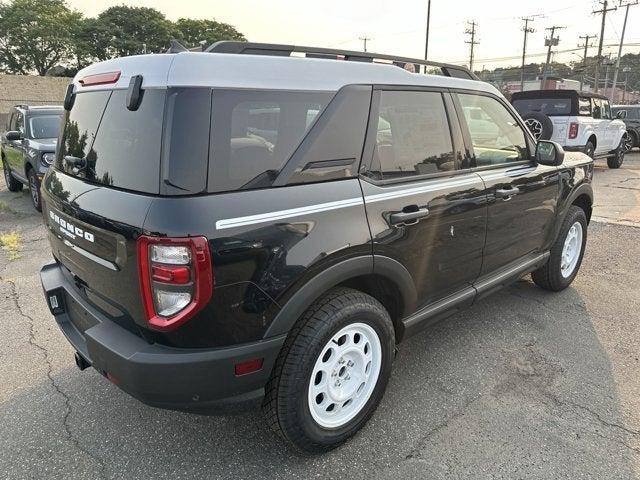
column 579, row 121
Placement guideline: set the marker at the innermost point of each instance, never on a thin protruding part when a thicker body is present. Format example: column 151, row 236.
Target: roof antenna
column 176, row 47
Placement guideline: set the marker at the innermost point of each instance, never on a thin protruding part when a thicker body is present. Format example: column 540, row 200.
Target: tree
column 191, row 32
column 35, row 35
column 121, row 31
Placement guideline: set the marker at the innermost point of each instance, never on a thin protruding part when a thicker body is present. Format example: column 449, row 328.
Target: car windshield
column 548, row 106
column 45, row 126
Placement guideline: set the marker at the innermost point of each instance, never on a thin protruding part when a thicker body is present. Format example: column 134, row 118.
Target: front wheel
column 332, row 371
column 34, row 189
column 566, row 253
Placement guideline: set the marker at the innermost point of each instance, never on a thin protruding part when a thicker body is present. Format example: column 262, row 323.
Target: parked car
column 579, row 121
column 199, row 263
column 632, row 122
column 28, row 146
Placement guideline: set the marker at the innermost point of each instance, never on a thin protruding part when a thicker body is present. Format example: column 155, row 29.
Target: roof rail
column 273, row 49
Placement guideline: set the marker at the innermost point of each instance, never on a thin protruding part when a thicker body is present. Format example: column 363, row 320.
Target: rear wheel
column 12, row 184
column 332, row 371
column 615, row 161
column 589, row 149
column 34, row 189
column 566, row 253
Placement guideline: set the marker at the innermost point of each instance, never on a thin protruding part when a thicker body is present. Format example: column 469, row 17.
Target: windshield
column 548, row 106
column 45, row 126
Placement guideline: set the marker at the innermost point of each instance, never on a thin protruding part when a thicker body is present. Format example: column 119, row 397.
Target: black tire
column 615, row 161
column 34, row 189
column 590, row 149
column 286, row 405
column 539, row 124
column 12, row 184
column 550, row 275
column 631, row 141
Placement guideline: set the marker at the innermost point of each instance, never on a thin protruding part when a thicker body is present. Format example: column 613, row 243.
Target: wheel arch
column 388, row 281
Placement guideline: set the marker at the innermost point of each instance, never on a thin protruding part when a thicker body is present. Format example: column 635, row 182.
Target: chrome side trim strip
column 350, row 202
column 291, row 212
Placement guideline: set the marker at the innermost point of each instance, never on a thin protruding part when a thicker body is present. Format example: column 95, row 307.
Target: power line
column 473, row 42
column 551, row 41
column 602, row 11
column 624, row 27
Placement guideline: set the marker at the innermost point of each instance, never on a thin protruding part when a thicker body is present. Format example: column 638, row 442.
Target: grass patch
column 6, row 208
column 10, row 243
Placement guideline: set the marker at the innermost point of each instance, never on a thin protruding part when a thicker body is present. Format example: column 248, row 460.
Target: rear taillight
column 176, row 279
column 573, row 130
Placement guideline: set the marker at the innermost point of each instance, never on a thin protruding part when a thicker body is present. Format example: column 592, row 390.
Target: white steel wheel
column 345, row 375
column 535, row 127
column 571, row 250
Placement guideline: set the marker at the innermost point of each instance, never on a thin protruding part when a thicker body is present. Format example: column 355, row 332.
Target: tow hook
column 81, row 363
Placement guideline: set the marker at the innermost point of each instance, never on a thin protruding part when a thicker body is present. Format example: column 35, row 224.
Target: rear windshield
column 118, row 147
column 44, row 126
column 548, row 106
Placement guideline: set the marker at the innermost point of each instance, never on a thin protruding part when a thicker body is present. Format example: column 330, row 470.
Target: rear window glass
column 548, row 106
column 254, row 133
column 44, row 126
column 119, row 147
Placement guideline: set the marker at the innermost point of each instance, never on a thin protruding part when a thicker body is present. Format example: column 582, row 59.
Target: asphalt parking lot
column 525, row 384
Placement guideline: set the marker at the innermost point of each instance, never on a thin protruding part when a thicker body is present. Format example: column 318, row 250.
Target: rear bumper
column 165, row 377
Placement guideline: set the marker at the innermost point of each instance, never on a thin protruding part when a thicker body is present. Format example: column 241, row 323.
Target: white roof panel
column 224, row 70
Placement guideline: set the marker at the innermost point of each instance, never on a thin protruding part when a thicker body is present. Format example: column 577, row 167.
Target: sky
column 398, row 26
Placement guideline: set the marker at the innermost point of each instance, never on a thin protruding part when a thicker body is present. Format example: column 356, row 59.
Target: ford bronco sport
column 579, row 121
column 28, row 146
column 229, row 227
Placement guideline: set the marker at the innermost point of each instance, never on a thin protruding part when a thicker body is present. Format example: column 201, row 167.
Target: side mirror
column 549, row 153
column 13, row 136
column 621, row 114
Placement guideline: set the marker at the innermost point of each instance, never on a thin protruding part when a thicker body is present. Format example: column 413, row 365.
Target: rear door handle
column 507, row 193
column 408, row 218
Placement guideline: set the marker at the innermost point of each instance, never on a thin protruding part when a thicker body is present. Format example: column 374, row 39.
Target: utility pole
column 551, row 41
column 603, row 11
column 527, row 30
column 364, row 43
column 624, row 26
column 426, row 42
column 586, row 46
column 473, row 42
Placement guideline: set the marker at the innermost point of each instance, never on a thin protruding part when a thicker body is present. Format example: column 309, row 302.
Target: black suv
column 28, row 147
column 229, row 228
column 632, row 122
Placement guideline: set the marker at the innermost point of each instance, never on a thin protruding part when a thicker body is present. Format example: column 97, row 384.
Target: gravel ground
column 525, row 384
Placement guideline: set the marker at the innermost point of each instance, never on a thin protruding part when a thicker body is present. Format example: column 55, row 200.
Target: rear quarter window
column 254, row 133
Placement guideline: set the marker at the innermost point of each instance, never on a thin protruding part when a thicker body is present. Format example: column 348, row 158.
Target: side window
column 606, row 109
column 413, row 136
column 495, row 134
column 19, row 122
column 596, row 108
column 255, row 132
column 584, row 106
